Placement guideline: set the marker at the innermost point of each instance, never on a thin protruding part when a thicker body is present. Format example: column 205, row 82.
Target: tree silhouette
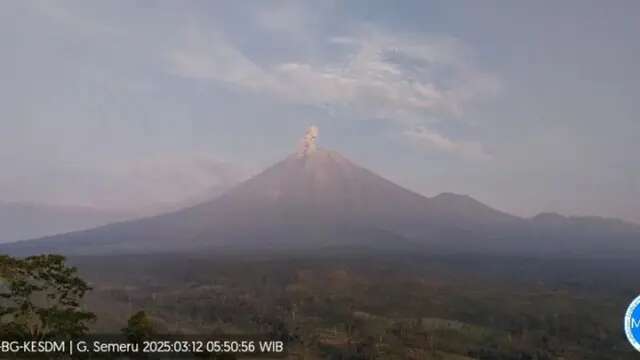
column 139, row 328
column 40, row 298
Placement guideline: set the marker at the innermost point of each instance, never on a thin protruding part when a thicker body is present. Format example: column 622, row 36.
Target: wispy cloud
column 64, row 14
column 374, row 75
column 288, row 16
column 211, row 56
column 423, row 137
column 139, row 185
column 166, row 179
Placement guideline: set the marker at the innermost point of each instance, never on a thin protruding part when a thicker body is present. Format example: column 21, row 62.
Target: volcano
column 316, row 199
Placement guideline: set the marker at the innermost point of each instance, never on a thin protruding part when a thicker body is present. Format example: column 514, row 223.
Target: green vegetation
column 40, row 299
column 139, row 328
column 367, row 307
column 381, row 307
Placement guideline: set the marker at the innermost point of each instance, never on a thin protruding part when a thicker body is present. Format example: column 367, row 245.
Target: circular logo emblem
column 632, row 323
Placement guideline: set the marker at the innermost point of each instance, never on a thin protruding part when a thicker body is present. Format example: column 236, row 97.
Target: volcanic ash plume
column 308, row 142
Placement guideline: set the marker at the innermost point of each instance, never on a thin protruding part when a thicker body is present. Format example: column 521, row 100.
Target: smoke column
column 308, row 142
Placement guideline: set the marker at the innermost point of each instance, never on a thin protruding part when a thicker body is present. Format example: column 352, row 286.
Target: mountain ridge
column 28, row 220
column 319, row 197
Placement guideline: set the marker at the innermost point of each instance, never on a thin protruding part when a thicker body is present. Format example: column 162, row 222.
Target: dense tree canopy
column 40, row 298
column 139, row 327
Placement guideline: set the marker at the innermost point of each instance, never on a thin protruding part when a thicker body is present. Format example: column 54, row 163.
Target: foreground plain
column 377, row 306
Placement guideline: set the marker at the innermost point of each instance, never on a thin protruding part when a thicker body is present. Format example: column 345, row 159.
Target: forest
column 371, row 306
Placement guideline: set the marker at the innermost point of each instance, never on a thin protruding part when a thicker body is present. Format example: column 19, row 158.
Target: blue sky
column 528, row 107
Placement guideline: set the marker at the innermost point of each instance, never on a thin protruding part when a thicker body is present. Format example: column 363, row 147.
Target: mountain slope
column 583, row 235
column 20, row 221
column 286, row 206
column 319, row 200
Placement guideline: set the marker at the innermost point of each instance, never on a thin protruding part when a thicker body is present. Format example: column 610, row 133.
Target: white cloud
column 62, row 13
column 427, row 138
column 372, row 75
column 139, row 185
column 167, row 179
column 212, row 57
column 342, row 40
column 162, row 183
column 288, row 16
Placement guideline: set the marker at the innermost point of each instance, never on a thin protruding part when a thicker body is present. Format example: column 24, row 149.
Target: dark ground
column 374, row 306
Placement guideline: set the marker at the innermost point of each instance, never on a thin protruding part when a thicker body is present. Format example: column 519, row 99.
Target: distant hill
column 20, row 221
column 319, row 200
